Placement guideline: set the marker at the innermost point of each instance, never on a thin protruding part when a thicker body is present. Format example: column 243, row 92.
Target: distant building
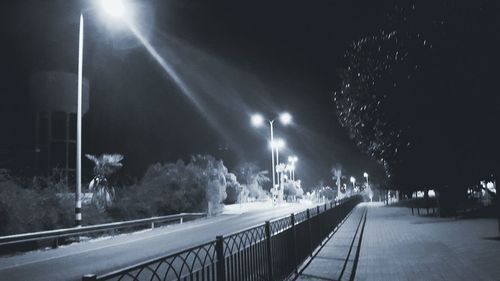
column 55, row 99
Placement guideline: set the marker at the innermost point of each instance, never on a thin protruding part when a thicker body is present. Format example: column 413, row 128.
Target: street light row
column 285, row 118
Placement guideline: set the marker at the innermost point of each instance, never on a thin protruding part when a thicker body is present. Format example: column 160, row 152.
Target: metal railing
column 270, row 251
column 84, row 230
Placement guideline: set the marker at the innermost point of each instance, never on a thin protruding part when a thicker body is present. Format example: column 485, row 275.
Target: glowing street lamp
column 353, row 180
column 278, row 144
column 292, row 160
column 365, row 174
column 257, row 120
column 285, row 118
column 115, row 9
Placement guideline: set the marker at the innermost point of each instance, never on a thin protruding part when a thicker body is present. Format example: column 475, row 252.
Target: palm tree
column 337, row 176
column 104, row 166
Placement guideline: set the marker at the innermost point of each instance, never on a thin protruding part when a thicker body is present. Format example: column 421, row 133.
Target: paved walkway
column 335, row 261
column 398, row 246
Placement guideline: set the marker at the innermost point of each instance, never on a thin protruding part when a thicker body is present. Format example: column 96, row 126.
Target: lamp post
column 278, row 144
column 292, row 160
column 353, row 180
column 116, row 9
column 365, row 174
column 257, row 121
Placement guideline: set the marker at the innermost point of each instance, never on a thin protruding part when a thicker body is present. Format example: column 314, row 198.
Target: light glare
column 278, row 143
column 257, row 120
column 285, row 118
column 114, row 8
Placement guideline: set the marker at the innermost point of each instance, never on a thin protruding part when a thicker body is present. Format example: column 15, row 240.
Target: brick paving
column 398, row 246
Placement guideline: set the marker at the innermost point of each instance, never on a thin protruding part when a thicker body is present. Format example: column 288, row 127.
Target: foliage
column 174, row 188
column 328, row 192
column 293, row 190
column 22, row 202
column 104, row 166
column 253, row 179
column 235, row 191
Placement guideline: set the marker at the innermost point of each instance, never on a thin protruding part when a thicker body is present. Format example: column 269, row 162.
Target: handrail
column 74, row 231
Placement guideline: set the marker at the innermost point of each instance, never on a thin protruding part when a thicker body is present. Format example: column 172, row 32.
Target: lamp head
column 285, row 118
column 114, row 8
column 278, row 143
column 257, row 120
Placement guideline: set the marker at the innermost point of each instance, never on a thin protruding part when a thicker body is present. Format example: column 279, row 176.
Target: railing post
column 269, row 251
column 412, row 211
column 310, row 232
column 294, row 244
column 221, row 266
column 182, row 220
column 89, row 277
column 152, row 225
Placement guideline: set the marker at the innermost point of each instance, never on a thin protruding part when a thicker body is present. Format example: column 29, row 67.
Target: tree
column 234, row 190
column 405, row 97
column 177, row 187
column 104, row 166
column 337, row 176
column 253, row 179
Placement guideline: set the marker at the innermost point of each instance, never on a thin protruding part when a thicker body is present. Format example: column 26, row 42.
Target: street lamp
column 353, row 180
column 115, row 9
column 257, row 121
column 285, row 118
column 292, row 160
column 278, row 144
column 365, row 174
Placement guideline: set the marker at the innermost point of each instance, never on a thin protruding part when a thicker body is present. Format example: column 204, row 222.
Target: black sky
column 238, row 58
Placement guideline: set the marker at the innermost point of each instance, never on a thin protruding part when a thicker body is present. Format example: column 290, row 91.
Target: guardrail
column 80, row 231
column 270, row 251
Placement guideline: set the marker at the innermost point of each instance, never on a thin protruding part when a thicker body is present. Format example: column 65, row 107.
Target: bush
column 174, row 188
column 36, row 208
column 252, row 179
column 234, row 190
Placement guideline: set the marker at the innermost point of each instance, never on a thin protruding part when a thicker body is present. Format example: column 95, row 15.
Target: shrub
column 34, row 208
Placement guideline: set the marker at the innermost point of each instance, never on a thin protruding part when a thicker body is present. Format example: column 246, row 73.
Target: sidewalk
column 398, row 246
column 335, row 260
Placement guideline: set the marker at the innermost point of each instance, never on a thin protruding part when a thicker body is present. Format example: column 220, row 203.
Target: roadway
column 107, row 254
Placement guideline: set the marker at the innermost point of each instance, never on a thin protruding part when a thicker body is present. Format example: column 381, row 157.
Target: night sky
column 236, row 58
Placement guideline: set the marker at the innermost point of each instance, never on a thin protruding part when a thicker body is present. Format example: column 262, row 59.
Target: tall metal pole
column 277, row 156
column 78, row 193
column 277, row 161
column 272, row 151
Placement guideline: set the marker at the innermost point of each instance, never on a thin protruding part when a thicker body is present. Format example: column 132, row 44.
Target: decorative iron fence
column 267, row 252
